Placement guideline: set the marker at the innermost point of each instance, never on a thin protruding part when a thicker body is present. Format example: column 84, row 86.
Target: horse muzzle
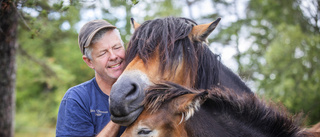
column 126, row 97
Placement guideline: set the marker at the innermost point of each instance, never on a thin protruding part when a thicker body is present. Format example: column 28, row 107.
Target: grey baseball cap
column 89, row 30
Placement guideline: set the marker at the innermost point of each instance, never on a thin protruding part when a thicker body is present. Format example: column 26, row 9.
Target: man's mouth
column 116, row 65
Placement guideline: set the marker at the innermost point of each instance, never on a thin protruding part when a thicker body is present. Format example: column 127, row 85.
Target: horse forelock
column 160, row 94
column 269, row 118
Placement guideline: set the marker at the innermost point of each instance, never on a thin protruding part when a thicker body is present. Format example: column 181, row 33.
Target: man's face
column 108, row 56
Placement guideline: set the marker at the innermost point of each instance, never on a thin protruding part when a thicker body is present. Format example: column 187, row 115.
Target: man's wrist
column 110, row 130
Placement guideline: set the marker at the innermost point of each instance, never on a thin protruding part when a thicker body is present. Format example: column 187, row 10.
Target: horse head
column 172, row 110
column 161, row 49
column 167, row 107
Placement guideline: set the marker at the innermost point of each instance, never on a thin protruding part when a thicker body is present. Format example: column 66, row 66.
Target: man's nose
column 112, row 55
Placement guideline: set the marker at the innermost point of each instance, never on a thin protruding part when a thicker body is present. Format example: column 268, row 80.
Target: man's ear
column 87, row 61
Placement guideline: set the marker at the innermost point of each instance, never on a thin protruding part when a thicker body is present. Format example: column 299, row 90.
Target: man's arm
column 110, row 130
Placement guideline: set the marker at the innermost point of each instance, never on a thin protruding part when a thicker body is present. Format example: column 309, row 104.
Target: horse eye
column 144, row 131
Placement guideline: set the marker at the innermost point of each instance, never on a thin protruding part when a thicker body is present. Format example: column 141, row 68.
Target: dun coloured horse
column 168, row 49
column 173, row 111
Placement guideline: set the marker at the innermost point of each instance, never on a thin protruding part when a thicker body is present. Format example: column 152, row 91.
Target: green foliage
column 292, row 71
column 284, row 59
column 49, row 62
column 158, row 9
column 134, row 2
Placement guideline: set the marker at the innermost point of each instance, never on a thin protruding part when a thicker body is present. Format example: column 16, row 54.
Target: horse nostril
column 133, row 90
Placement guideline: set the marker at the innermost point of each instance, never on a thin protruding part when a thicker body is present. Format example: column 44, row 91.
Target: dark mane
column 169, row 36
column 249, row 110
column 270, row 118
column 162, row 93
column 209, row 67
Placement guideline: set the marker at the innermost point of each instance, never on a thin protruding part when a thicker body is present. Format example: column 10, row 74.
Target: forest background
column 274, row 45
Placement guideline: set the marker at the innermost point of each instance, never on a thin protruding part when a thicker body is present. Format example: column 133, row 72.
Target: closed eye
column 117, row 47
column 144, row 131
column 102, row 53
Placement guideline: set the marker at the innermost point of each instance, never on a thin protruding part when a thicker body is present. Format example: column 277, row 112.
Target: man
column 84, row 109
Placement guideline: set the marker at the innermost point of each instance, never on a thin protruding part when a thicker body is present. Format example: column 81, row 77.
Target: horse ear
column 201, row 32
column 188, row 104
column 134, row 24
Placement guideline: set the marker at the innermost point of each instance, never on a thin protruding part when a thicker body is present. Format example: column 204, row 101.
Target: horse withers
column 174, row 111
column 168, row 49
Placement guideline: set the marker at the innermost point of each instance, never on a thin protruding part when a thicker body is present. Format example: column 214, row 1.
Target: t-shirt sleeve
column 73, row 119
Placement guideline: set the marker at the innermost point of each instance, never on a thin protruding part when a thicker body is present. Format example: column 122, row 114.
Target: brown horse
column 169, row 49
column 173, row 111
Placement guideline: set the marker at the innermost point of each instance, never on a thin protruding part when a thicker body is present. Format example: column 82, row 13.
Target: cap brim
column 94, row 33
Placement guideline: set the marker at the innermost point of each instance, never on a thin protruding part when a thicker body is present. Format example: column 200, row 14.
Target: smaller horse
column 172, row 110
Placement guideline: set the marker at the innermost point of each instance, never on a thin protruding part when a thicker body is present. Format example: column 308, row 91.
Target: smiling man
column 84, row 109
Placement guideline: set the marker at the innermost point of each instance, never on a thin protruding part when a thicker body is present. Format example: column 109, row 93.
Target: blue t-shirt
column 84, row 111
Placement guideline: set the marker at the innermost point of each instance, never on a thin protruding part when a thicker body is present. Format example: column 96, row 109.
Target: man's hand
column 110, row 130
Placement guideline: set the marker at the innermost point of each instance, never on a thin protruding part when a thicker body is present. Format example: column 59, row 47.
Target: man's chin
column 116, row 74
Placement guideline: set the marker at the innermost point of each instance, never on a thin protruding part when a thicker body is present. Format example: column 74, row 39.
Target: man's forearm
column 110, row 130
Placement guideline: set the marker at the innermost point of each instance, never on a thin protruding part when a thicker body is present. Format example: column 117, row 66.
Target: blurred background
column 274, row 45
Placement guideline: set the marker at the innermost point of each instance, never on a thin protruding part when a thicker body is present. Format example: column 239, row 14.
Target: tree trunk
column 8, row 46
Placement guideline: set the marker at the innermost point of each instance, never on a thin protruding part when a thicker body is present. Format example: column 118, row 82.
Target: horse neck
column 232, row 81
column 206, row 123
column 217, row 123
column 211, row 72
column 245, row 114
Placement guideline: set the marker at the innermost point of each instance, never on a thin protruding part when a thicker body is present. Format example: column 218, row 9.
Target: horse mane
column 169, row 36
column 269, row 117
column 161, row 93
column 248, row 109
column 209, row 67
